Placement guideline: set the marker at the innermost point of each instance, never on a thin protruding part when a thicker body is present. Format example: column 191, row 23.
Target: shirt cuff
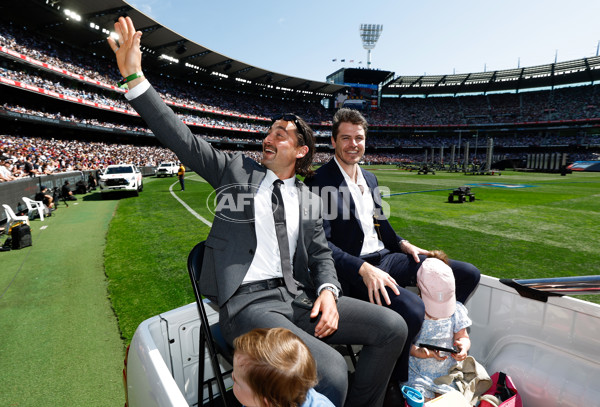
column 138, row 90
column 322, row 287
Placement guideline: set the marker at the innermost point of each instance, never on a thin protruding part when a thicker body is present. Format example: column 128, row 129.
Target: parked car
column 165, row 169
column 121, row 177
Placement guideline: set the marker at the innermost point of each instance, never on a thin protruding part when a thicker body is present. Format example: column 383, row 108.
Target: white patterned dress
column 440, row 332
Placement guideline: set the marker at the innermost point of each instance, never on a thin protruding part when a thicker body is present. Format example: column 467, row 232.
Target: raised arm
column 164, row 123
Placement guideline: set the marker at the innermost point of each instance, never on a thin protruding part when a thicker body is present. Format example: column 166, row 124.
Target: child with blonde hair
column 445, row 326
column 274, row 368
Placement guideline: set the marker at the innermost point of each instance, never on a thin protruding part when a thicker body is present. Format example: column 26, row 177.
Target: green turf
column 549, row 229
column 59, row 338
column 147, row 247
column 546, row 230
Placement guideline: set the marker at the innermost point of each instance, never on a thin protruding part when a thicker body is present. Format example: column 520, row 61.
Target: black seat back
column 210, row 337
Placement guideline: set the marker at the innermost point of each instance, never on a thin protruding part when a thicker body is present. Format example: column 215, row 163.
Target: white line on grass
column 186, row 206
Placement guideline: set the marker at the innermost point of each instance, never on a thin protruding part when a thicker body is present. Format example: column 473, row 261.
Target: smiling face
column 281, row 150
column 349, row 144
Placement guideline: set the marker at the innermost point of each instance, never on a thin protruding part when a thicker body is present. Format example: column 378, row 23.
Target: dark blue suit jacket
column 340, row 221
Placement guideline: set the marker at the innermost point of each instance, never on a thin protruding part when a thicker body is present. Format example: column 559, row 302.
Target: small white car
column 121, row 177
column 168, row 168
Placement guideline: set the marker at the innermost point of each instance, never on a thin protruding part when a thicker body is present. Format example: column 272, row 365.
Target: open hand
column 127, row 49
column 376, row 280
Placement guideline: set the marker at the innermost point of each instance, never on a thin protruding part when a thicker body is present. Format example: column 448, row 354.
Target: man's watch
column 403, row 241
column 333, row 291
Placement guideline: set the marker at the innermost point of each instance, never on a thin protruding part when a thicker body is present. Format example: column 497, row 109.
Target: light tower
column 369, row 33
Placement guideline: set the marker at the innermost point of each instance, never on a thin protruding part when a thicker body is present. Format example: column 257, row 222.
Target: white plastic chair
column 12, row 218
column 34, row 206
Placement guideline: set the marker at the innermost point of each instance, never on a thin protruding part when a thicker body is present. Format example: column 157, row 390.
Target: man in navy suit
column 373, row 263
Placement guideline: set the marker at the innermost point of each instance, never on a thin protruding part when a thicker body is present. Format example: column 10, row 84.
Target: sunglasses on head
column 289, row 117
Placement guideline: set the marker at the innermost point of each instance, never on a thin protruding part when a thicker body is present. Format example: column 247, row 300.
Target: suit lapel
column 345, row 197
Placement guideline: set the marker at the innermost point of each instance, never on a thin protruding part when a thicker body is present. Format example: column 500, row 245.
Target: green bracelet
column 123, row 83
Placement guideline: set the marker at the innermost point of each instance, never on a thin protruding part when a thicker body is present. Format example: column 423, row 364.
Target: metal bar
column 577, row 285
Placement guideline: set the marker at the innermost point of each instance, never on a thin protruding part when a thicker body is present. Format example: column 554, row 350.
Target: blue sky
column 300, row 38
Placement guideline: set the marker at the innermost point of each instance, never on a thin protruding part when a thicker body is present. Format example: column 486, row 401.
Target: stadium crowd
column 246, row 112
column 32, row 156
column 559, row 104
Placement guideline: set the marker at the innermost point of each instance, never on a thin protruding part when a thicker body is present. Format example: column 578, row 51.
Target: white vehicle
column 165, row 169
column 121, row 177
column 548, row 346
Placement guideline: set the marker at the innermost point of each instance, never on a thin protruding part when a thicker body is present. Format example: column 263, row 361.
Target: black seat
column 210, row 336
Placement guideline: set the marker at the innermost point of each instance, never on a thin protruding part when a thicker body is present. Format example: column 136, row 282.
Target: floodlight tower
column 370, row 34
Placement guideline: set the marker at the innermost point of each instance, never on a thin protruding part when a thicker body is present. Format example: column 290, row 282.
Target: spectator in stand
column 5, row 172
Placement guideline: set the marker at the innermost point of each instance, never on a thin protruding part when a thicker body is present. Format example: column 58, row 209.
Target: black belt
column 260, row 285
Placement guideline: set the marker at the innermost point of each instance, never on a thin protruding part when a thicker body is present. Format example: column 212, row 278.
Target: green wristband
column 123, row 83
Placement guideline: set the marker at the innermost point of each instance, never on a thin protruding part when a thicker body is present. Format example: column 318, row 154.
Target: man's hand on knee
column 326, row 306
column 376, row 280
column 412, row 250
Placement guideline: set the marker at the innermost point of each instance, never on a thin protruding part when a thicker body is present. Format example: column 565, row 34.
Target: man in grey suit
column 252, row 290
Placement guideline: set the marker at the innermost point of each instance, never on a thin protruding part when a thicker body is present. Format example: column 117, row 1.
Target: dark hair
column 345, row 115
column 305, row 137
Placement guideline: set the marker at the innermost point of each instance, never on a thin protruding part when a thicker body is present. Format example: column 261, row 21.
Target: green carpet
column 59, row 339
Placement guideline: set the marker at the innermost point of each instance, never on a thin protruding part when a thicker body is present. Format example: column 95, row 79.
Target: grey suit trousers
column 381, row 331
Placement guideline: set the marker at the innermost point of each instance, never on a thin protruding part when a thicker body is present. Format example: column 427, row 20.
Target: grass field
column 521, row 225
column 59, row 338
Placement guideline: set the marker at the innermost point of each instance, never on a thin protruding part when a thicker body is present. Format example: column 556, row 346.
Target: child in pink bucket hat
column 445, row 326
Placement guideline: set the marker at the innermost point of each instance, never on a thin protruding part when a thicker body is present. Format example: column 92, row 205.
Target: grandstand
column 58, row 81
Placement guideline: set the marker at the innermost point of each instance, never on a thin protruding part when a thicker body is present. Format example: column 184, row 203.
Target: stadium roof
column 50, row 17
column 541, row 76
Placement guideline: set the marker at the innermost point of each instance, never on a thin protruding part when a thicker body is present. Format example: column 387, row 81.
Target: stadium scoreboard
column 363, row 87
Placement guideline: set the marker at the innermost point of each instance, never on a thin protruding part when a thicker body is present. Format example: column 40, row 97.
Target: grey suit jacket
column 231, row 242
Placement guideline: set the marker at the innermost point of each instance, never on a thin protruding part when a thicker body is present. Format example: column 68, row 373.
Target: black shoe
column 393, row 396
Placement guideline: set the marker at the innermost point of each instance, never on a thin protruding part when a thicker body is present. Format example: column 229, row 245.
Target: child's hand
column 463, row 352
column 425, row 353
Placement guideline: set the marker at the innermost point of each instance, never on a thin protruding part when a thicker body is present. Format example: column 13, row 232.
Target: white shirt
column 138, row 90
column 365, row 208
column 263, row 265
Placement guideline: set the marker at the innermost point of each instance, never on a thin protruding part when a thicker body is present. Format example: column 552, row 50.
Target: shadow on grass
column 113, row 195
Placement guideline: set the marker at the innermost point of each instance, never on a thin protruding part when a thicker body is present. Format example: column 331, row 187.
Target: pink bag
column 504, row 389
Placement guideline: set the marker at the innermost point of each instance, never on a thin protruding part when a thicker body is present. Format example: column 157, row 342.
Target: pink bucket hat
column 436, row 282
